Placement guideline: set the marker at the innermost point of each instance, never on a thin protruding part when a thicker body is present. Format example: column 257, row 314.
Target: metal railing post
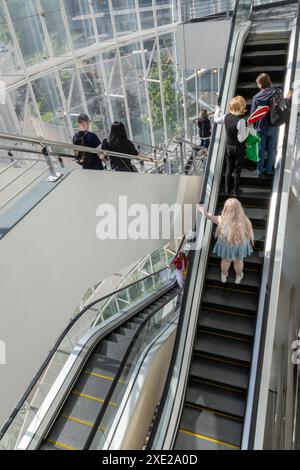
column 155, row 161
column 53, row 175
column 181, row 157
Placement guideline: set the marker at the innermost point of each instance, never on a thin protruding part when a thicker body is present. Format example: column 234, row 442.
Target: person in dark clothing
column 119, row 142
column 88, row 161
column 237, row 132
column 267, row 133
column 204, row 129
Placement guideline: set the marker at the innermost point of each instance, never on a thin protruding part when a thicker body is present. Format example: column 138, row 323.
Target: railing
column 255, row 415
column 192, row 10
column 151, row 328
column 25, row 155
column 97, row 313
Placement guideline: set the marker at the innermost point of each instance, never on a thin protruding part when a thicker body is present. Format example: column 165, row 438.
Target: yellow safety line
column 61, row 444
column 225, row 387
column 234, row 363
column 90, row 397
column 79, row 421
column 225, row 336
column 104, row 377
column 94, row 374
column 206, row 438
column 232, row 290
column 214, row 412
column 212, row 309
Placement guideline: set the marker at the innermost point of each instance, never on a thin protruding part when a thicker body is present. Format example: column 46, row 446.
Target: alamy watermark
column 139, row 221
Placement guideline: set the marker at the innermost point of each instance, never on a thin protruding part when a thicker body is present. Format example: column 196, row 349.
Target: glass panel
column 164, row 12
column 124, row 16
column 9, row 63
column 80, row 23
column 26, row 111
column 93, row 88
column 51, row 108
column 103, row 19
column 28, row 28
column 131, row 62
column 55, row 27
column 146, row 14
column 171, row 88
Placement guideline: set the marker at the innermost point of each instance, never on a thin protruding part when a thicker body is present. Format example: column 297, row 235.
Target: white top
column 243, row 130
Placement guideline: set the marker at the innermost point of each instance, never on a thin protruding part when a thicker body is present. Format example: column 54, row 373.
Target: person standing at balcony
column 237, row 132
column 86, row 138
column 119, row 142
column 204, row 129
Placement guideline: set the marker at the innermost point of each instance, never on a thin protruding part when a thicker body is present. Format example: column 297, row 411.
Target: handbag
column 252, row 147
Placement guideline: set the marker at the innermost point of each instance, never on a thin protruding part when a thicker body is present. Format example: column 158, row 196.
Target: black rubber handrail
column 272, row 250
column 121, row 367
column 192, row 253
column 43, row 367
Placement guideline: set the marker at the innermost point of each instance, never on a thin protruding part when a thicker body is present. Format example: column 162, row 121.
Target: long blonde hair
column 234, row 228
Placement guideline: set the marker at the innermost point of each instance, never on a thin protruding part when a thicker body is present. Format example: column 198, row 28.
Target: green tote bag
column 252, row 145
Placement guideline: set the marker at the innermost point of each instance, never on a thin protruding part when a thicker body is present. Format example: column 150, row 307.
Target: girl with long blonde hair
column 234, row 237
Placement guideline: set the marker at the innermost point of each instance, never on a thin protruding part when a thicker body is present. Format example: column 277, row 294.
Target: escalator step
column 255, row 261
column 82, row 409
column 131, row 326
column 113, row 350
column 92, row 385
column 100, row 365
column 227, row 322
column 251, row 278
column 241, row 301
column 212, row 425
column 224, row 373
column 69, row 434
column 215, row 398
column 225, row 347
column 189, row 441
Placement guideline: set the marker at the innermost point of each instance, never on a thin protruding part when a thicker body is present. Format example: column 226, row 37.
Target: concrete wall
column 53, row 256
column 203, row 44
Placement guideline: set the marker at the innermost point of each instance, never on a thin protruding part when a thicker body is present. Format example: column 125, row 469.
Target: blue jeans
column 267, row 144
column 205, row 142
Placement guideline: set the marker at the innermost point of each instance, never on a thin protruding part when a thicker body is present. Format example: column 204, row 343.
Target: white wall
column 203, row 44
column 52, row 257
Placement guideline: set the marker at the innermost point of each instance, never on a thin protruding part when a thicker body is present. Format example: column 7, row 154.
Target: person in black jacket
column 88, row 161
column 119, row 142
column 237, row 133
column 204, row 129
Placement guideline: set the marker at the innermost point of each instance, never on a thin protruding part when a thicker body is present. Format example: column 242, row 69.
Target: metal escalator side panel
column 171, row 414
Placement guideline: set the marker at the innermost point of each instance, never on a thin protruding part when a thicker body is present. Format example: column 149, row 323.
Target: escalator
column 216, row 394
column 76, row 425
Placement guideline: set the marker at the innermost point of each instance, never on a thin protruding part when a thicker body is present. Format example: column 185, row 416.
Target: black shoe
column 236, row 193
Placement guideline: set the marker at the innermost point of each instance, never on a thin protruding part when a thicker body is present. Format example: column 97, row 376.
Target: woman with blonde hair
column 234, row 237
column 237, row 132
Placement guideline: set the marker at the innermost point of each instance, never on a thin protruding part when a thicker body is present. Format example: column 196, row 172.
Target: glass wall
column 111, row 59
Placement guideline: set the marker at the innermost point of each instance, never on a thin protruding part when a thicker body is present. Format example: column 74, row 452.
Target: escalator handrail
column 192, row 253
column 269, row 274
column 117, row 377
column 53, row 350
